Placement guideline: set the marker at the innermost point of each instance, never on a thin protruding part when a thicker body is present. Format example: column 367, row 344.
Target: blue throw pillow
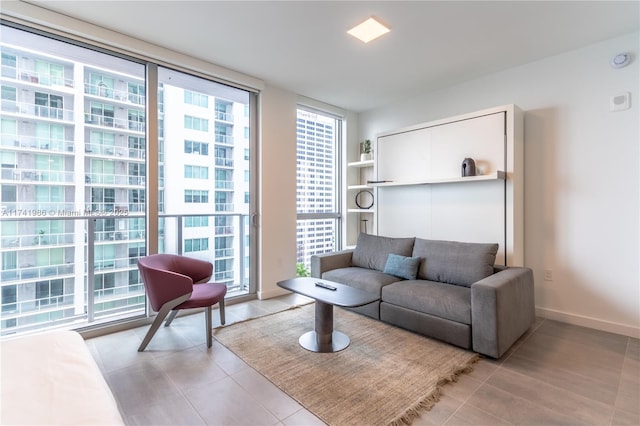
column 402, row 266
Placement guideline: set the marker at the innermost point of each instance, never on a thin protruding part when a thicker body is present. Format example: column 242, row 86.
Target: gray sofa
column 448, row 290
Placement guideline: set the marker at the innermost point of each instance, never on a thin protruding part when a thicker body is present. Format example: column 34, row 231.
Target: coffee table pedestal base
column 310, row 342
column 324, row 338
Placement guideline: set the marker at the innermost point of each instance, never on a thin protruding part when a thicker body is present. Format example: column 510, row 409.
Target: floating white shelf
column 499, row 175
column 359, row 187
column 368, row 163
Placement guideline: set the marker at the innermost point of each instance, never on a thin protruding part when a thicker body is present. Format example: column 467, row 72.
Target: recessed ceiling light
column 368, row 30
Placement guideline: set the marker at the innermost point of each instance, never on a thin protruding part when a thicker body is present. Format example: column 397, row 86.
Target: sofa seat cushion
column 362, row 278
column 454, row 262
column 434, row 298
column 372, row 251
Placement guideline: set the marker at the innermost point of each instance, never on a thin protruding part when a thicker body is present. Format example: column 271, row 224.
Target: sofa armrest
column 502, row 310
column 321, row 263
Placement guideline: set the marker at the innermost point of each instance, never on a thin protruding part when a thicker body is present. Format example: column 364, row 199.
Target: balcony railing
column 113, row 122
column 115, row 287
column 112, row 210
column 224, row 162
column 236, row 279
column 222, row 253
column 31, row 76
column 224, row 116
column 30, row 272
column 106, row 265
column 103, row 91
column 222, row 139
column 45, row 79
column 224, row 230
column 137, row 207
column 137, row 126
column 137, row 153
column 34, row 110
column 36, row 240
column 36, row 208
column 224, row 207
column 76, row 307
column 18, row 141
column 114, row 179
column 224, row 184
column 223, row 276
column 30, row 306
column 26, row 175
column 114, row 151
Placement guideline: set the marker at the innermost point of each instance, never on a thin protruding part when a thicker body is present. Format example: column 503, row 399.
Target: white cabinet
column 420, row 190
column 436, row 152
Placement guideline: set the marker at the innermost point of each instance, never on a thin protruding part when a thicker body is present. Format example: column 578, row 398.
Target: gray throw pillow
column 402, row 266
column 454, row 262
column 372, row 250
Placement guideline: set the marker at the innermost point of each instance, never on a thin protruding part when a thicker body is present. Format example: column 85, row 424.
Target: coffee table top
column 343, row 295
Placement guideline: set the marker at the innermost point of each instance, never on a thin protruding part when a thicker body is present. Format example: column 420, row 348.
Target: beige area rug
column 385, row 377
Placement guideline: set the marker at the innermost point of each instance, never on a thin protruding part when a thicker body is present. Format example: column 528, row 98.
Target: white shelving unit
column 359, row 164
column 359, row 173
column 360, row 187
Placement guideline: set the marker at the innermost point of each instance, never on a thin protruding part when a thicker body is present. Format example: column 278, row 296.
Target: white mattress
column 52, row 379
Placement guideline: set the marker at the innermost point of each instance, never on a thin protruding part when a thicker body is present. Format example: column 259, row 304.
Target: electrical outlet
column 548, row 275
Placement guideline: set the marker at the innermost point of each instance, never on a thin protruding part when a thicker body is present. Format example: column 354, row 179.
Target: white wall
column 277, row 225
column 581, row 175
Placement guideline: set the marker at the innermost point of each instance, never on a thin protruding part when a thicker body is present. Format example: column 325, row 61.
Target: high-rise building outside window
column 65, row 147
column 202, row 146
column 74, row 183
column 318, row 207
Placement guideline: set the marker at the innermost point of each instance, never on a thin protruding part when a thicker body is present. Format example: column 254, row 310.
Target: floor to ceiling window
column 318, row 182
column 205, row 134
column 64, row 140
column 74, row 181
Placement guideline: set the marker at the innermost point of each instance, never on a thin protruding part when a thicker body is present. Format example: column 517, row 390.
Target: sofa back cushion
column 372, row 251
column 454, row 262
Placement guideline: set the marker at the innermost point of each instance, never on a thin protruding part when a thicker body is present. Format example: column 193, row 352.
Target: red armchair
column 177, row 282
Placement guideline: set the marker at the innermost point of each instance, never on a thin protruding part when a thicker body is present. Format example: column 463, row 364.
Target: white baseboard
column 272, row 292
column 597, row 324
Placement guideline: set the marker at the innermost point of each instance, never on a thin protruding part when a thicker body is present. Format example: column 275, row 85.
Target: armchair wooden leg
column 172, row 315
column 162, row 313
column 208, row 325
column 221, row 307
column 154, row 327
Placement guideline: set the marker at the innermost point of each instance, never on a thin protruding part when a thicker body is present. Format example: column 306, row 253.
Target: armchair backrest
column 169, row 276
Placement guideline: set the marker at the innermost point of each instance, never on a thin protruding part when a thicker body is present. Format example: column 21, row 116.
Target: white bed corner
column 52, row 379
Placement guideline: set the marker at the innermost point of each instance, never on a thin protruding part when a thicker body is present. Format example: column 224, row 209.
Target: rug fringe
column 427, row 403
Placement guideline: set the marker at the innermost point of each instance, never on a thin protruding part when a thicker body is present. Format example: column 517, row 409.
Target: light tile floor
column 555, row 374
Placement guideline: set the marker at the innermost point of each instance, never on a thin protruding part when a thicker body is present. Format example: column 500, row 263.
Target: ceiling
column 303, row 46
